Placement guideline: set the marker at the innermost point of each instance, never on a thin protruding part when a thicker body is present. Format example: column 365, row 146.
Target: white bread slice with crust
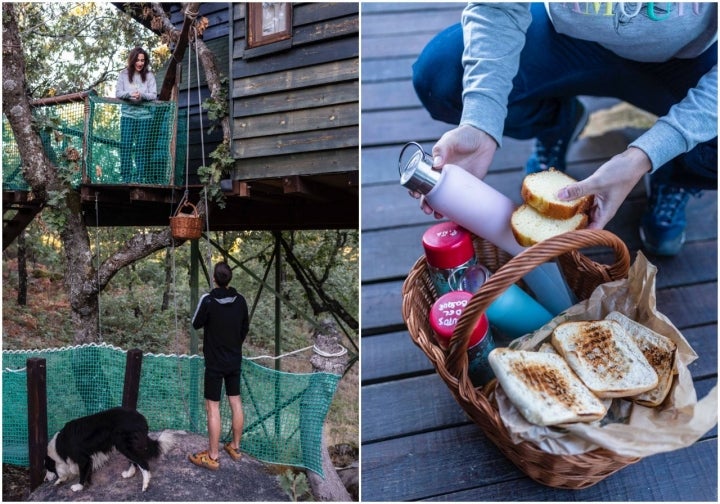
column 605, row 358
column 539, row 190
column 530, row 227
column 543, row 388
column 660, row 353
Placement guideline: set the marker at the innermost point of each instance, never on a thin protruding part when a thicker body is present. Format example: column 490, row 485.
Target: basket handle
column 187, row 203
column 515, row 269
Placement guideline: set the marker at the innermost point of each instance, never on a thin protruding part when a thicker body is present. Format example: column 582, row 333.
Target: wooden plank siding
column 300, row 101
column 294, row 121
column 417, row 443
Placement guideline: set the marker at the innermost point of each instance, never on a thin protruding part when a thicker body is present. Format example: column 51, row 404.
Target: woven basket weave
column 583, row 276
column 186, row 226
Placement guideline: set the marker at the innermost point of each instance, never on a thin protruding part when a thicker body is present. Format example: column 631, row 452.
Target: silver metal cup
column 417, row 173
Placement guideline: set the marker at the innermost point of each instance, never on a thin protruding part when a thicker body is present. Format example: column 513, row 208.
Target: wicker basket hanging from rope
column 186, row 226
column 583, row 276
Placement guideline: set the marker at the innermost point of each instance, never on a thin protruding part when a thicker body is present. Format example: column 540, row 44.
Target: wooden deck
column 417, row 444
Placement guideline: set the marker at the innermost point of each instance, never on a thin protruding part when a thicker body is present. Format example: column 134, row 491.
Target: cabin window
column 268, row 22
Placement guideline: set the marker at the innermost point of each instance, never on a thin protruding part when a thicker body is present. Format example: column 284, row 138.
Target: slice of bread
column 543, row 388
column 658, row 350
column 531, row 227
column 539, row 190
column 605, row 358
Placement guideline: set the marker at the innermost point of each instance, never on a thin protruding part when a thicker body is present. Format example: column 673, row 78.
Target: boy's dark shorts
column 214, row 380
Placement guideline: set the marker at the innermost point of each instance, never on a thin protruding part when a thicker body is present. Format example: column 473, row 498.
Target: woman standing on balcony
column 136, row 83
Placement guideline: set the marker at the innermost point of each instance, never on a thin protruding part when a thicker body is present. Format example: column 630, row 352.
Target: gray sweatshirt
column 644, row 32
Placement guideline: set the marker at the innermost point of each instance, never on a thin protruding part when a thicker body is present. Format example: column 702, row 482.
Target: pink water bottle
column 479, row 208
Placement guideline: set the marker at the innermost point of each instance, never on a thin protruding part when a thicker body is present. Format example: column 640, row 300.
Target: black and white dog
column 85, row 444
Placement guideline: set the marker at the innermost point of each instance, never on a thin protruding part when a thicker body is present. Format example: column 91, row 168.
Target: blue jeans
column 554, row 69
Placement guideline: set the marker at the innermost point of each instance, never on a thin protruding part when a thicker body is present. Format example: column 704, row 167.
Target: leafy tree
column 70, row 50
column 84, row 280
column 78, row 46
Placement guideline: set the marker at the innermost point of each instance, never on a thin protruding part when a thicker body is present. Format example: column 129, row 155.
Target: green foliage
column 218, row 107
column 295, row 485
column 73, row 46
column 211, row 175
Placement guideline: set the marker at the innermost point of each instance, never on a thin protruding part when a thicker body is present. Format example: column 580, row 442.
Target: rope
column 279, row 356
column 322, row 353
column 314, row 348
column 202, row 147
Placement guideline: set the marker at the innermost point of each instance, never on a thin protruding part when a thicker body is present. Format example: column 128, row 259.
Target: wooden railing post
column 37, row 419
column 131, row 387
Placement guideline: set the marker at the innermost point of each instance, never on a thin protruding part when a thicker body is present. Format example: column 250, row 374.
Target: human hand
column 465, row 146
column 611, row 183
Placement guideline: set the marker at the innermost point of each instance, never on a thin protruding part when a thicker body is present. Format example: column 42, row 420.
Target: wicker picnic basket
column 186, row 226
column 583, row 276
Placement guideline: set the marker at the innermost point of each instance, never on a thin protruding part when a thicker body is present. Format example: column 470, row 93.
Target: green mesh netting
column 114, row 141
column 284, row 412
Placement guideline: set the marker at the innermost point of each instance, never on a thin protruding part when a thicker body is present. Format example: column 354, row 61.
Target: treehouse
column 292, row 83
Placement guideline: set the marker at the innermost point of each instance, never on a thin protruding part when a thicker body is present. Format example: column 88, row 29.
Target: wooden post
column 37, row 419
column 131, row 387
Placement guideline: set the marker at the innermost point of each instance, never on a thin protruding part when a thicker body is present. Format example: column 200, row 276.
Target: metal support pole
column 278, row 293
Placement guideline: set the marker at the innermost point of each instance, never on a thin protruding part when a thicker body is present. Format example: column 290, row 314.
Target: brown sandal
column 203, row 459
column 234, row 454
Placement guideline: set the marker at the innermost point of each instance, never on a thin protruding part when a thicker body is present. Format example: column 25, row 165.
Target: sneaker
column 552, row 153
column 203, row 459
column 234, row 454
column 662, row 228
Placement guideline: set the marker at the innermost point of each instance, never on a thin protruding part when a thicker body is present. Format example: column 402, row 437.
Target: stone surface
column 174, row 478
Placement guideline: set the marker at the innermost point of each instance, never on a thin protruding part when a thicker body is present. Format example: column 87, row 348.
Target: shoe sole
column 203, row 465
column 668, row 248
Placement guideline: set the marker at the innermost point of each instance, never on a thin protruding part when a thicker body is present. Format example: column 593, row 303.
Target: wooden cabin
column 292, row 72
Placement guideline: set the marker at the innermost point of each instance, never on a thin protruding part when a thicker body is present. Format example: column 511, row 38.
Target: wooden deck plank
column 417, row 443
column 461, row 464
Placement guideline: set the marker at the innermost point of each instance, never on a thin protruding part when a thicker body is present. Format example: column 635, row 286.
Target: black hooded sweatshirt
column 223, row 313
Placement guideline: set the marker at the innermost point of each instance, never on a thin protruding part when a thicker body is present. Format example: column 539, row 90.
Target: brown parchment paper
column 628, row 429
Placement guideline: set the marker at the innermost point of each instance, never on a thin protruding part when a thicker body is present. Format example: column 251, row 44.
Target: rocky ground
column 174, row 478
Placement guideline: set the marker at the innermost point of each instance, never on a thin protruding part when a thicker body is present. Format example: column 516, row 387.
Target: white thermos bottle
column 473, row 204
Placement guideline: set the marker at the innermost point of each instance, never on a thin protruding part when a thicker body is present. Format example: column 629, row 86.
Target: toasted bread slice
column 539, row 190
column 605, row 358
column 543, row 388
column 658, row 350
column 531, row 227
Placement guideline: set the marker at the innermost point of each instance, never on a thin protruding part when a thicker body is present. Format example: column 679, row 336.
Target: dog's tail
column 161, row 445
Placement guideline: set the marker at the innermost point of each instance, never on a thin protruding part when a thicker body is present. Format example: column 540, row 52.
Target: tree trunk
column 168, row 281
column 82, row 280
column 22, row 269
column 326, row 339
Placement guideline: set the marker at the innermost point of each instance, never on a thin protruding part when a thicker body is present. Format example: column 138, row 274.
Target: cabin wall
column 216, row 37
column 295, row 106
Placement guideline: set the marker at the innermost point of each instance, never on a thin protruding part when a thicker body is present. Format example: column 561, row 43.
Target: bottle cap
column 417, row 173
column 446, row 312
column 447, row 245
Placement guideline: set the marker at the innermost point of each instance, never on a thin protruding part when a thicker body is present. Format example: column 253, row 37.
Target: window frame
column 255, row 36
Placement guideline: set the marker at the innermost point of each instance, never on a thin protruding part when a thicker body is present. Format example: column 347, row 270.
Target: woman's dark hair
column 132, row 58
column 222, row 274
